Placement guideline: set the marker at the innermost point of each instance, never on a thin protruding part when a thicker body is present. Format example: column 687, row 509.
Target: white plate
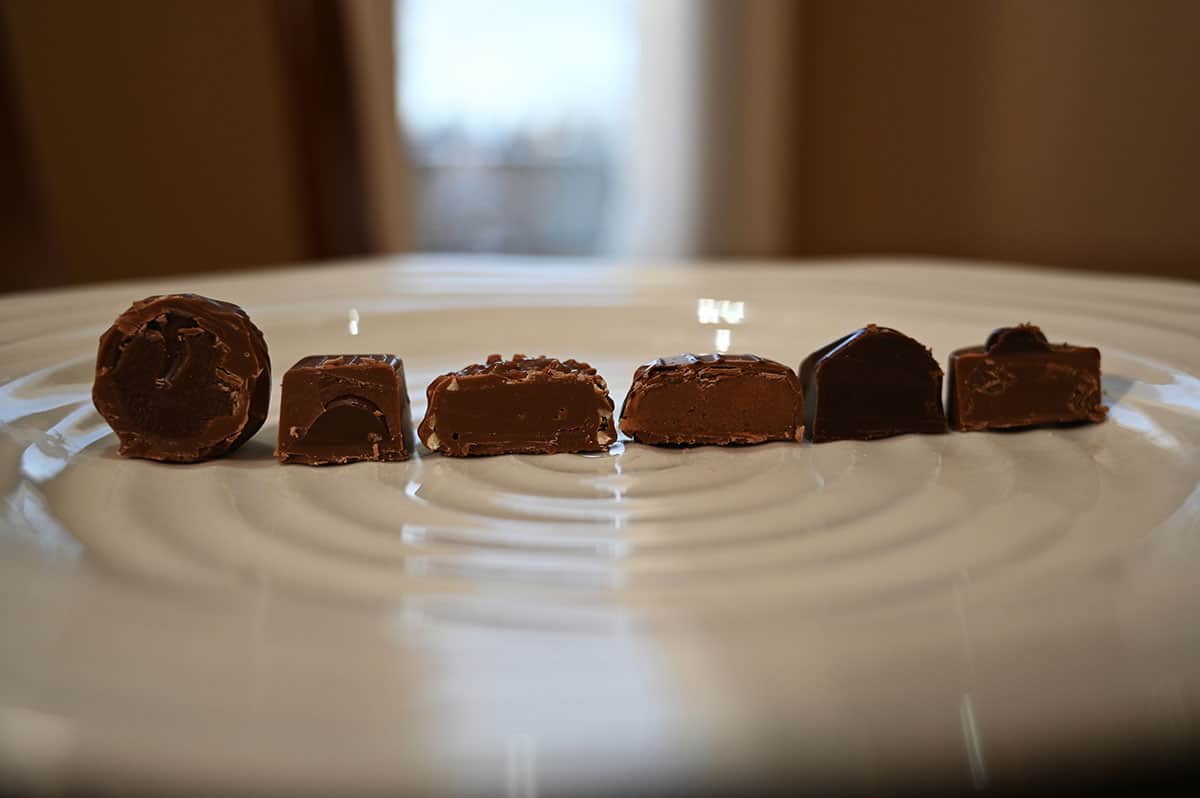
column 966, row 608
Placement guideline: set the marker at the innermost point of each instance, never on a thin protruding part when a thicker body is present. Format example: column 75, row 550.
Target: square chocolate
column 714, row 399
column 343, row 408
column 1019, row 379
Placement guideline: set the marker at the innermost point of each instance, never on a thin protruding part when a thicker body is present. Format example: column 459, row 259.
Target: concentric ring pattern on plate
column 150, row 604
column 640, row 524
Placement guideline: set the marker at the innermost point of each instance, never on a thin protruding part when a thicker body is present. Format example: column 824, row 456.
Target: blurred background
column 143, row 137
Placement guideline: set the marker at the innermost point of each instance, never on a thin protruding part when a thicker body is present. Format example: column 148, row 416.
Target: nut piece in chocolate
column 529, row 405
column 873, row 383
column 690, row 400
column 182, row 378
column 1019, row 379
column 344, row 408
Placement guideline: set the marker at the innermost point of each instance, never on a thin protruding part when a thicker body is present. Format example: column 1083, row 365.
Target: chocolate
column 344, row 408
column 693, row 400
column 1019, row 379
column 182, row 378
column 873, row 383
column 531, row 405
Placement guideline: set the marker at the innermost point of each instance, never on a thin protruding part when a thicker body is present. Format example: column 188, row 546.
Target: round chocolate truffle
column 182, row 378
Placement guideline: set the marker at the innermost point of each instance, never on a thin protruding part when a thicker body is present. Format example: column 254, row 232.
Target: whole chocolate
column 1019, row 379
column 182, row 378
column 343, row 408
column 713, row 399
column 873, row 383
column 535, row 405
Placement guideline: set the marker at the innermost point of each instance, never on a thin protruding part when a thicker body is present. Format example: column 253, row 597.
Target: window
column 515, row 114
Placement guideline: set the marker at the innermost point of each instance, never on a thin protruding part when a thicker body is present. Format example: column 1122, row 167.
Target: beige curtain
column 370, row 32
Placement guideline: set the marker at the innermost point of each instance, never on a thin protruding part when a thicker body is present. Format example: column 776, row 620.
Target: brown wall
column 25, row 256
column 158, row 134
column 1062, row 132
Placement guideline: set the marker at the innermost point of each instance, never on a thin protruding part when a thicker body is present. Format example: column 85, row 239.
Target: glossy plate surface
column 966, row 608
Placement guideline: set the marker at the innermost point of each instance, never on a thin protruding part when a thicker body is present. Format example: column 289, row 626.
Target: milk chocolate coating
column 343, row 408
column 1019, row 379
column 182, row 378
column 525, row 405
column 713, row 399
column 873, row 383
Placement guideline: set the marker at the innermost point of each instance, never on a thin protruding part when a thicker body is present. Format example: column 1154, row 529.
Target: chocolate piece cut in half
column 1019, row 379
column 182, row 378
column 873, row 383
column 344, row 408
column 530, row 405
column 693, row 400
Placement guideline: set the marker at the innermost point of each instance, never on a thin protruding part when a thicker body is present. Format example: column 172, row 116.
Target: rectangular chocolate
column 1019, row 379
column 690, row 400
column 343, row 408
column 873, row 383
column 530, row 405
